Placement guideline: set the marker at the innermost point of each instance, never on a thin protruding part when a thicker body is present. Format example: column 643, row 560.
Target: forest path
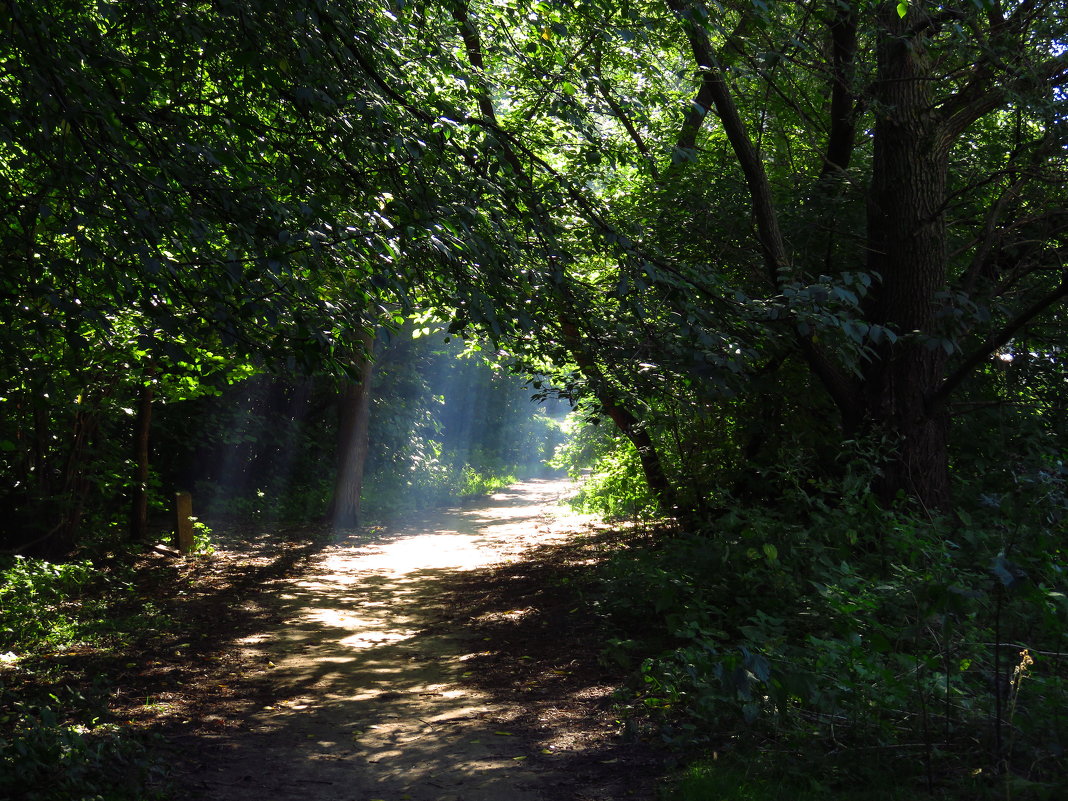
column 366, row 698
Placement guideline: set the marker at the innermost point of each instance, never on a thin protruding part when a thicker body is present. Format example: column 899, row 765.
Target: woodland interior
column 776, row 286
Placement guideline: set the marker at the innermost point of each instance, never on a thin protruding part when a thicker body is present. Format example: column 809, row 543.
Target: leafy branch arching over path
column 369, row 696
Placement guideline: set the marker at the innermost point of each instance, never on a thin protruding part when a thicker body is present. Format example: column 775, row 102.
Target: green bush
column 55, row 748
column 45, row 759
column 829, row 625
column 41, row 603
column 612, row 482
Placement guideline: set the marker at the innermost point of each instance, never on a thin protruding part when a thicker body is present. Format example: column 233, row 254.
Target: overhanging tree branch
column 769, row 235
column 629, row 425
column 705, row 98
column 842, row 135
column 977, row 100
column 621, row 115
column 997, row 340
column 715, row 93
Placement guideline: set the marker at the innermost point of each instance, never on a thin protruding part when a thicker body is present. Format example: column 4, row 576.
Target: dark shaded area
column 198, row 696
column 544, row 653
column 203, row 606
column 160, row 663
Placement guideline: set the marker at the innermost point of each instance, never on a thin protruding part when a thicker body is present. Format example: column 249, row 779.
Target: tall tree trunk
column 142, row 428
column 907, row 251
column 354, row 416
column 629, row 425
column 75, row 486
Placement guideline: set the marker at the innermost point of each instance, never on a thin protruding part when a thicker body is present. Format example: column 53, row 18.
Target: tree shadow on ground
column 544, row 654
column 281, row 680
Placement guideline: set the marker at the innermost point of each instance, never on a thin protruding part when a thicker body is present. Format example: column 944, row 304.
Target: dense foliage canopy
column 662, row 204
column 805, row 259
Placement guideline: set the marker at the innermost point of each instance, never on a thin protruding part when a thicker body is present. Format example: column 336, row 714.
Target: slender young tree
column 354, row 414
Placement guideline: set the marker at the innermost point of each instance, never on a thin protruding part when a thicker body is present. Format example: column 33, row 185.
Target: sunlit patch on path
column 365, row 701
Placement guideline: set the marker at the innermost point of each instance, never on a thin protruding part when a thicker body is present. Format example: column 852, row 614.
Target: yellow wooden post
column 183, row 503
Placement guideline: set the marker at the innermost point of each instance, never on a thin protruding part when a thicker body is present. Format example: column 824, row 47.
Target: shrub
column 39, row 602
column 45, row 759
column 834, row 626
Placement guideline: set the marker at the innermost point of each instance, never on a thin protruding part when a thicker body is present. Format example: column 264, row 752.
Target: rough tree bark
column 354, row 415
column 907, row 251
column 901, row 391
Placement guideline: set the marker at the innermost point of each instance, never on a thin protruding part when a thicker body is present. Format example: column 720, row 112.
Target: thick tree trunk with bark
column 354, row 416
column 907, row 251
column 898, row 393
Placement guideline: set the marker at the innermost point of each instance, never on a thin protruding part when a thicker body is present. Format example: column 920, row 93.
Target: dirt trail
column 366, row 698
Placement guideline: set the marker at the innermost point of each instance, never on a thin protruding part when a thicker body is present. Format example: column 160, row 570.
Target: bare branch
column 714, row 93
column 981, row 260
column 621, row 115
column 979, row 97
column 704, row 101
column 997, row 340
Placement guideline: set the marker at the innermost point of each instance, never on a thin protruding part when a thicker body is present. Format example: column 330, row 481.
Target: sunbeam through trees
column 780, row 283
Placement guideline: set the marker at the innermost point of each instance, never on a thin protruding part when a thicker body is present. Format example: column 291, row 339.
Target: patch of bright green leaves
column 613, row 484
column 55, row 747
column 42, row 604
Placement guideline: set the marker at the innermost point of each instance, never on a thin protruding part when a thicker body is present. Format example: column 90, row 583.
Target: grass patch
column 56, row 743
column 732, row 779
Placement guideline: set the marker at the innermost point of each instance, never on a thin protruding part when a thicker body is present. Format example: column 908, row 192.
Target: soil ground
column 446, row 658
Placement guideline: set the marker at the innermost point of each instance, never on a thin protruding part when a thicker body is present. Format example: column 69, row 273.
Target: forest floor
column 448, row 657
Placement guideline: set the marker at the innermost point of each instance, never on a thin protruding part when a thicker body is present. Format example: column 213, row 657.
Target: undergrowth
column 55, row 741
column 860, row 645
column 730, row 778
column 433, row 483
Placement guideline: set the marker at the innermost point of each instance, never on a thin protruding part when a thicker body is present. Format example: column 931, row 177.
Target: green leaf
column 1008, row 574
